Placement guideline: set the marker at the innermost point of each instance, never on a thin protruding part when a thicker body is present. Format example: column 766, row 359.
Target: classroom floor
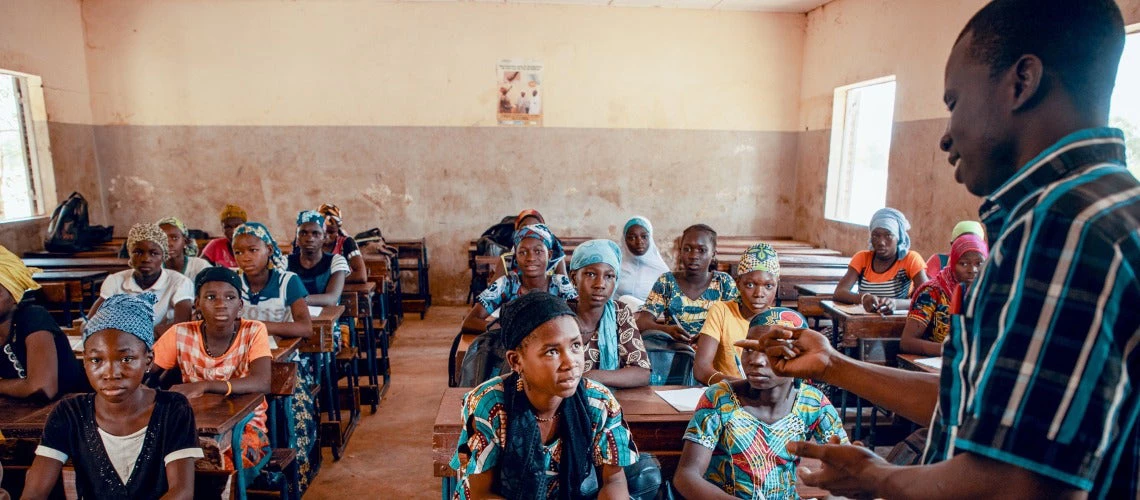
column 389, row 456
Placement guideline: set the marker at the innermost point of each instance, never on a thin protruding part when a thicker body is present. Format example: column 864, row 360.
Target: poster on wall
column 520, row 93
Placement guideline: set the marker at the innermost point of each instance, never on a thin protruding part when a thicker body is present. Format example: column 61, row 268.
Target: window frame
column 839, row 137
column 37, row 145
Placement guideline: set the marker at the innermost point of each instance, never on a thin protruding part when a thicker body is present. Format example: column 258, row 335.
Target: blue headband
column 595, row 251
column 307, row 216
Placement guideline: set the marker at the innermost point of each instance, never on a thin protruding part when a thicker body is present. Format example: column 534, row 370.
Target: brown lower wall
column 448, row 184
column 921, row 185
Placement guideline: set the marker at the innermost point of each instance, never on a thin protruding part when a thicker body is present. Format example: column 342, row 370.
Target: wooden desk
column 357, row 300
column 910, row 362
column 811, row 297
column 82, row 286
column 657, row 428
column 856, row 325
column 110, row 264
column 322, row 338
column 22, row 418
column 285, row 349
column 93, row 253
column 793, row 276
column 816, row 289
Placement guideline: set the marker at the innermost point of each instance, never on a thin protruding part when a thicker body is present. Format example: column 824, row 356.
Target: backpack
column 486, row 358
column 70, row 230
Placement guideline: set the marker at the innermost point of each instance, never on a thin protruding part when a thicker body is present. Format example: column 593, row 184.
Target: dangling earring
column 520, row 386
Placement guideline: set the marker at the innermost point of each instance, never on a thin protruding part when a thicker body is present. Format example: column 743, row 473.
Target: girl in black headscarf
column 540, row 431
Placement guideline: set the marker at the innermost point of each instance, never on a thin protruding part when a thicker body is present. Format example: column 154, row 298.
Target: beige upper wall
column 45, row 38
column 348, row 62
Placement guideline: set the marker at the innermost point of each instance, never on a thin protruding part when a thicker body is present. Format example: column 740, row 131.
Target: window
column 27, row 187
column 862, row 118
column 1126, row 98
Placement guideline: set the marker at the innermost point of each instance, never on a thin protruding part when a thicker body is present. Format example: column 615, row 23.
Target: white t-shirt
column 195, row 265
column 171, row 288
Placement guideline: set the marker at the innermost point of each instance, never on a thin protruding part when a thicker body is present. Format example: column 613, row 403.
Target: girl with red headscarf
column 928, row 322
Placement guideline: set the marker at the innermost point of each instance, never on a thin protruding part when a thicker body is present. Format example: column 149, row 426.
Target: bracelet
column 229, row 388
column 709, row 381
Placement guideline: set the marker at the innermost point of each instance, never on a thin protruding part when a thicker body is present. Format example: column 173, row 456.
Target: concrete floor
column 389, row 456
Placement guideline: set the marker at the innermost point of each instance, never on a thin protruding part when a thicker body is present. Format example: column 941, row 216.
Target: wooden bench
column 413, row 258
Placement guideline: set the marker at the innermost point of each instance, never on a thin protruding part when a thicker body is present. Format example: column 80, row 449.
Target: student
column 531, row 217
column 541, row 429
column 940, row 260
column 36, row 360
column 757, row 277
column 885, row 273
column 339, row 243
column 221, row 354
column 322, row 273
column 532, row 250
column 147, row 246
column 126, row 440
column 182, row 250
column 1035, row 398
column 219, row 251
column 735, row 443
column 928, row 323
column 641, row 262
column 276, row 297
column 615, row 353
column 677, row 304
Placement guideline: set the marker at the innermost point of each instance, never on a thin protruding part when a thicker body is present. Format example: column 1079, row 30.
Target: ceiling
column 750, row 5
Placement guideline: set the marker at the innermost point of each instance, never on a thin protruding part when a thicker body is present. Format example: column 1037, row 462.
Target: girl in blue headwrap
column 615, row 353
column 536, row 257
column 885, row 274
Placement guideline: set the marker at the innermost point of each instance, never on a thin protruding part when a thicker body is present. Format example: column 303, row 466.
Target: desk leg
column 235, row 450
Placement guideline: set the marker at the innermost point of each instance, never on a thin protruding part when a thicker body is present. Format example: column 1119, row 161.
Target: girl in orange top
column 885, row 273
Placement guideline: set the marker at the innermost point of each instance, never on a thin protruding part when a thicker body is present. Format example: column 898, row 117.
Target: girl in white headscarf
column 641, row 262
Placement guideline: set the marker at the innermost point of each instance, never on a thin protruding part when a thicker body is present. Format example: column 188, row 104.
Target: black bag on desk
column 70, row 230
column 486, row 358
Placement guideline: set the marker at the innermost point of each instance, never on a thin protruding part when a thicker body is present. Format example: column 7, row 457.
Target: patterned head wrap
column 595, row 251
column 760, row 257
column 967, row 227
column 779, row 316
column 15, row 276
column 542, row 233
column 894, row 221
column 530, row 212
column 233, row 211
column 307, row 216
column 258, row 230
column 191, row 245
column 133, row 314
column 331, row 211
column 608, row 252
column 217, row 273
column 147, row 232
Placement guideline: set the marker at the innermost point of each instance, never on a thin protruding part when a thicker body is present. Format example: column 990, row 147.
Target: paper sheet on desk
column 858, row 310
column 935, row 363
column 272, row 342
column 315, row 311
column 682, row 399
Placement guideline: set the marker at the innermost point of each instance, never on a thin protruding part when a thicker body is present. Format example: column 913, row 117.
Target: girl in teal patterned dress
column 735, row 443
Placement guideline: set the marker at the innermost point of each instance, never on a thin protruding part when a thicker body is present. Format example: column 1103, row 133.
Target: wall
column 387, row 109
column 45, row 38
column 849, row 41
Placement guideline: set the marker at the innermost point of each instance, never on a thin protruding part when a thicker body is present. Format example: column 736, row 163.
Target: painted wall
column 45, row 38
column 849, row 41
column 387, row 109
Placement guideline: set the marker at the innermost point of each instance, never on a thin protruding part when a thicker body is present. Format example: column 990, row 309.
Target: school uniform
column 170, row 289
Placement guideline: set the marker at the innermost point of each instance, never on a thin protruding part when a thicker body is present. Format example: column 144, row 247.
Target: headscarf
column 967, row 227
column 759, row 257
column 521, row 474
column 605, row 252
column 233, row 211
column 779, row 316
column 191, row 245
column 639, row 273
column 133, row 314
column 530, row 212
column 542, row 233
column 258, row 230
column 212, row 274
column 307, row 216
column 946, row 280
column 331, row 211
column 147, row 232
column 15, row 276
column 894, row 221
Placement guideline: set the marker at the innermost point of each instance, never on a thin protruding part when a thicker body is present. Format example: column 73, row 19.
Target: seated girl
column 322, row 273
column 531, row 217
column 530, row 272
column 36, row 359
column 126, row 440
column 615, row 353
column 757, row 277
column 641, row 262
column 182, row 250
column 735, row 444
column 940, row 260
column 219, row 251
column 221, row 354
column 885, row 273
column 338, row 243
column 146, row 244
column 276, row 297
column 928, row 322
column 543, row 428
column 678, row 302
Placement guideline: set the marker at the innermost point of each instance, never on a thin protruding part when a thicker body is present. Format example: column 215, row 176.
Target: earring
column 520, row 386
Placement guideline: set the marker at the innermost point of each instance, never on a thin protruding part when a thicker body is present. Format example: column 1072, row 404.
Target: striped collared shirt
column 1037, row 372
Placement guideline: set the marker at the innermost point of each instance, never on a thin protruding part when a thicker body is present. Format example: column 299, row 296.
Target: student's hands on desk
column 191, row 390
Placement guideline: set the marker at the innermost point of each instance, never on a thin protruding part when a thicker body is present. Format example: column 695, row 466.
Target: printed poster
column 520, row 93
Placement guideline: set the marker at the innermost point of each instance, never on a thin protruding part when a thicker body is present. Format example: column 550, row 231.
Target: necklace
column 206, row 343
column 544, row 420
